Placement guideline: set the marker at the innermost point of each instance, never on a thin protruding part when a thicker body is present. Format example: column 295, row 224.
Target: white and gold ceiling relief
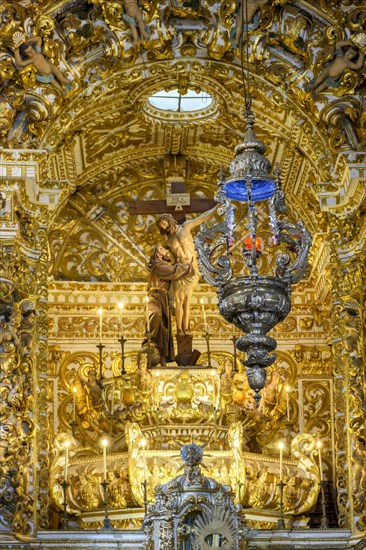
column 107, row 145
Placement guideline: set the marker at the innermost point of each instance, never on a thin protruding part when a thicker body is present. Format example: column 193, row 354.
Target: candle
column 319, row 444
column 66, row 445
column 74, row 390
column 147, row 314
column 281, row 446
column 288, row 402
column 248, row 243
column 264, row 402
column 105, row 444
column 218, row 391
column 100, row 312
column 143, row 445
column 121, row 305
column 204, row 315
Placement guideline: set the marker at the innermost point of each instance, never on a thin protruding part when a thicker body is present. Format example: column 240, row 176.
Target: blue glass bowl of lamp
column 262, row 189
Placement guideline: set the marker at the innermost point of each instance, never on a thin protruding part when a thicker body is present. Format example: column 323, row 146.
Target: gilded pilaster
column 23, row 345
column 44, row 398
column 348, row 280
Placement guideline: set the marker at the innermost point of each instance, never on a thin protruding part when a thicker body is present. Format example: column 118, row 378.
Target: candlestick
column 106, row 522
column 74, row 390
column 121, row 306
column 66, row 445
column 288, row 389
column 122, row 339
column 204, row 315
column 281, row 446
column 144, row 484
column 281, row 521
column 65, row 519
column 147, row 314
column 100, row 313
column 105, row 445
column 143, row 443
column 319, row 444
column 207, row 338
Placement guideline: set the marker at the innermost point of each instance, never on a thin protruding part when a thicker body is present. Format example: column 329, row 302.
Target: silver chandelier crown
column 253, row 302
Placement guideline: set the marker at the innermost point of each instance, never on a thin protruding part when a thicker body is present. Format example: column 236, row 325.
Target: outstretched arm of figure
column 37, row 40
column 359, row 62
column 204, row 217
column 19, row 61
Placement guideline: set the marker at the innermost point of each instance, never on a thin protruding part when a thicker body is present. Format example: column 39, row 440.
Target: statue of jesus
column 179, row 240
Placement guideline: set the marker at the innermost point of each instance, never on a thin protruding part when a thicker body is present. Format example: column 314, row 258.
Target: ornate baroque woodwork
column 72, row 161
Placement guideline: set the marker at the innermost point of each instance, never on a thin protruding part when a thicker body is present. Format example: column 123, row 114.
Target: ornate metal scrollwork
column 255, row 303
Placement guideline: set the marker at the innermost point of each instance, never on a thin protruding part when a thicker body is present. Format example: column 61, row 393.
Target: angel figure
column 117, row 489
column 133, row 16
column 30, row 53
column 227, row 377
column 87, row 492
column 359, row 465
column 331, row 75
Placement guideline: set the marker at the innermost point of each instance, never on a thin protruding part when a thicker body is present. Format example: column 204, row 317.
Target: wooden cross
column 178, row 203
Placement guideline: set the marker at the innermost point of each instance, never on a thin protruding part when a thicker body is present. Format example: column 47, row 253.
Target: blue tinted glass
column 261, row 190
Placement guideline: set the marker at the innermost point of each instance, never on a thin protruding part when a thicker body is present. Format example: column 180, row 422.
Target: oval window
column 174, row 101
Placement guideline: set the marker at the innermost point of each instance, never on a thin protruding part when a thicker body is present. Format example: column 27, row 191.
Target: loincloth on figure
column 182, row 284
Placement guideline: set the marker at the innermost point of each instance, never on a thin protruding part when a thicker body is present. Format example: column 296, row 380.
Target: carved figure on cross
column 178, row 239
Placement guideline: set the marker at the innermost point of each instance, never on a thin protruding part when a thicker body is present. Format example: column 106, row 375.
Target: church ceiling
column 107, row 145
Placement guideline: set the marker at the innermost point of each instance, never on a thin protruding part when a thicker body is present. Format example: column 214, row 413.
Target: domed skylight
column 177, row 102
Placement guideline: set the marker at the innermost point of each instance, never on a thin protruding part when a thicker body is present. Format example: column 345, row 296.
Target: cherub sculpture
column 30, row 53
column 331, row 75
column 133, row 16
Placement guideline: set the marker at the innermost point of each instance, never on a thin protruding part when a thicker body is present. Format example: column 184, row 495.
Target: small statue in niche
column 331, row 75
column 116, row 490
column 91, row 408
column 359, row 465
column 30, row 54
column 260, row 488
column 133, row 16
column 28, row 318
column 247, row 16
column 9, row 339
column 87, row 493
column 291, row 493
column 144, row 376
column 95, row 391
column 273, row 390
column 227, row 377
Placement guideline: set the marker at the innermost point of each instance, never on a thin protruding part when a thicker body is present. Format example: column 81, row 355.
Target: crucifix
column 178, row 203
